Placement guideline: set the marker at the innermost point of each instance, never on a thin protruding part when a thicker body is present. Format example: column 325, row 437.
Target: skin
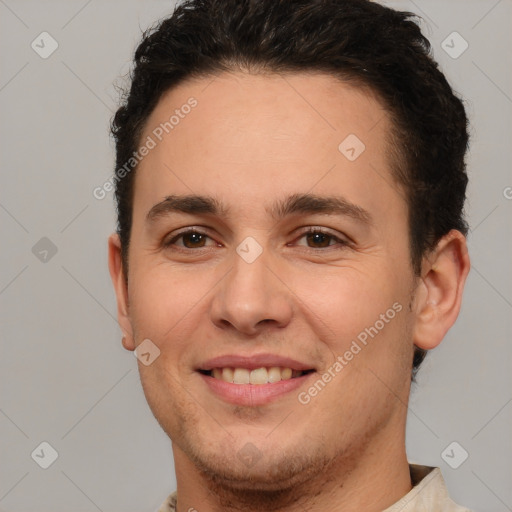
column 252, row 140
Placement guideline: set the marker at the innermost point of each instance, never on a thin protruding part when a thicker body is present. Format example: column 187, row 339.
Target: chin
column 272, row 469
column 275, row 482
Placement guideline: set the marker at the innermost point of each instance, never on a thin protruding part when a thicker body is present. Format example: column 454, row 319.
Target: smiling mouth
column 257, row 376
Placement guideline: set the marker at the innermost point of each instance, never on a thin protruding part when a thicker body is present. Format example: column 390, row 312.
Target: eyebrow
column 292, row 205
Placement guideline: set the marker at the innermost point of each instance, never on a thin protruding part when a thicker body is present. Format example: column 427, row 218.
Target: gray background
column 65, row 378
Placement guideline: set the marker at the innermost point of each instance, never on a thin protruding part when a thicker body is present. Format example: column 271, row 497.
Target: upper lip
column 253, row 361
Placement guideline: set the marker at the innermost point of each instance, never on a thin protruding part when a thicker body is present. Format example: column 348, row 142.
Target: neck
column 375, row 481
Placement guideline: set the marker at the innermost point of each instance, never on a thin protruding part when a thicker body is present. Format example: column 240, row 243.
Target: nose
column 251, row 297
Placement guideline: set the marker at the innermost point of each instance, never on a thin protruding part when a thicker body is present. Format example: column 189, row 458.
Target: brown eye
column 319, row 239
column 190, row 239
column 193, row 239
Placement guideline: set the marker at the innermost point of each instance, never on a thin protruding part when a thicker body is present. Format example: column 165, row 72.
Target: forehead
column 252, row 136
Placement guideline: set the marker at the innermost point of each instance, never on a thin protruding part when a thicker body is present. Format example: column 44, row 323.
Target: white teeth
column 227, row 374
column 241, row 376
column 274, row 374
column 286, row 373
column 257, row 376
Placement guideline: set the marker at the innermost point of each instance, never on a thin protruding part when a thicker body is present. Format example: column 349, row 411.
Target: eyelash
column 310, row 231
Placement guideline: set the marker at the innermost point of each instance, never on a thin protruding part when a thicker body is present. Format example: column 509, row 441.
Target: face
column 288, row 268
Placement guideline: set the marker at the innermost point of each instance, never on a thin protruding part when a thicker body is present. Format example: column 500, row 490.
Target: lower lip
column 253, row 394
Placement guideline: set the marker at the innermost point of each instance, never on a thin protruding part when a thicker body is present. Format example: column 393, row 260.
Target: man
column 290, row 181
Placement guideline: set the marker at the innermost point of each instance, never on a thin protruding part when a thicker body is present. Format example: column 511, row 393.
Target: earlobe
column 118, row 281
column 439, row 294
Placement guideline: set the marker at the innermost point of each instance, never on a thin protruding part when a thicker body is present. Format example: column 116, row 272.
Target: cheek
column 343, row 301
column 163, row 298
column 362, row 318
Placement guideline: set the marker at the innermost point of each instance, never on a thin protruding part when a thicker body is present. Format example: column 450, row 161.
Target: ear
column 439, row 293
column 115, row 267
